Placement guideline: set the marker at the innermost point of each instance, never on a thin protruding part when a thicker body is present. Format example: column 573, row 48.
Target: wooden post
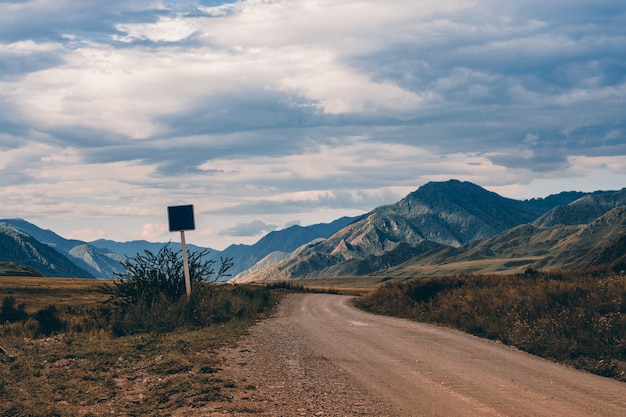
column 180, row 219
column 185, row 263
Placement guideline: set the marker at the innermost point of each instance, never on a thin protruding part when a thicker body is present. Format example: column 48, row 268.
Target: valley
column 315, row 354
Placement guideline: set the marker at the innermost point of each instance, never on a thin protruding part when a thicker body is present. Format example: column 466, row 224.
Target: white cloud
column 152, row 232
column 338, row 90
column 166, row 29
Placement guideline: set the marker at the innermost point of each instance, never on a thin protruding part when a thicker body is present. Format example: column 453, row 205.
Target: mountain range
column 26, row 244
column 450, row 227
column 442, row 227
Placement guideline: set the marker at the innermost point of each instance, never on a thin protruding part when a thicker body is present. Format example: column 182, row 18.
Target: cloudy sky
column 268, row 113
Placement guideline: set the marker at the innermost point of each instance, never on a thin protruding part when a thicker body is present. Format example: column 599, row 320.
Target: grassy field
column 343, row 285
column 505, row 266
column 94, row 373
column 574, row 317
column 38, row 292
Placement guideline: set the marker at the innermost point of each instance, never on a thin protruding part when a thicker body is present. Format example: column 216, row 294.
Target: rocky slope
column 438, row 214
column 11, row 269
column 22, row 249
column 97, row 262
column 603, row 241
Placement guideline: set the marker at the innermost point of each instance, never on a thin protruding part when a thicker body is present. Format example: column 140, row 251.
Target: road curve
column 425, row 370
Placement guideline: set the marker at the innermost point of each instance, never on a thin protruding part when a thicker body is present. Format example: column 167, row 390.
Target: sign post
column 181, row 219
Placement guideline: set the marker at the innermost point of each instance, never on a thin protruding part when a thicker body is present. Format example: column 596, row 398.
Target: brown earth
column 322, row 357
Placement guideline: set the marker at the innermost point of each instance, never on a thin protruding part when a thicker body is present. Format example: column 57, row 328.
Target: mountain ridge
column 97, row 262
column 101, row 258
column 284, row 240
column 449, row 222
column 601, row 242
column 24, row 250
column 448, row 214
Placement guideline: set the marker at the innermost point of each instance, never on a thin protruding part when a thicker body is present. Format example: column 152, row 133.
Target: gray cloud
column 90, row 20
column 13, row 64
column 333, row 200
column 275, row 108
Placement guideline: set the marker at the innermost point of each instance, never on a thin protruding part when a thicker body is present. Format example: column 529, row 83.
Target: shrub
column 426, row 290
column 156, row 278
column 10, row 313
column 49, row 321
column 150, row 295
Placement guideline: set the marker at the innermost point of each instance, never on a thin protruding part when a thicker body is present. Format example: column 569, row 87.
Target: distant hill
column 285, row 241
column 11, row 269
column 23, row 249
column 583, row 210
column 97, row 262
column 603, row 241
column 439, row 216
column 244, row 256
column 442, row 227
column 539, row 206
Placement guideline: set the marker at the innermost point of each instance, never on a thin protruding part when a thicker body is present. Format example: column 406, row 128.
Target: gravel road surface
column 320, row 356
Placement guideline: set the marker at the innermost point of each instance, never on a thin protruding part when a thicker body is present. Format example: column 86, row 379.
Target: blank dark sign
column 181, row 218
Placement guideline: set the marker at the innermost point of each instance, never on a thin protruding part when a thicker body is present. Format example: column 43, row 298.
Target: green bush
column 209, row 303
column 43, row 323
column 156, row 278
column 151, row 296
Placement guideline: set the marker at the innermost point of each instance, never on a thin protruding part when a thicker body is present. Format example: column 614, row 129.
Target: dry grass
column 344, row 285
column 147, row 375
column 37, row 293
column 577, row 317
column 478, row 266
column 78, row 373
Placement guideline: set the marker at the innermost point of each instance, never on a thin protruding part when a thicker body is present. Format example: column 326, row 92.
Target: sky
column 268, row 113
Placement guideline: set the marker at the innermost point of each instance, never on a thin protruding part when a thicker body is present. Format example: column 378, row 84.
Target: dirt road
column 323, row 357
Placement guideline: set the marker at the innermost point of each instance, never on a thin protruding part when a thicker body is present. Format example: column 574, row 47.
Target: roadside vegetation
column 136, row 346
column 574, row 317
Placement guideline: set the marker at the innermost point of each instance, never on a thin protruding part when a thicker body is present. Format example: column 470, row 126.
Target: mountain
column 23, row 249
column 244, row 256
column 539, row 206
column 442, row 227
column 101, row 258
column 269, row 260
column 602, row 241
column 282, row 241
column 438, row 216
column 97, row 262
